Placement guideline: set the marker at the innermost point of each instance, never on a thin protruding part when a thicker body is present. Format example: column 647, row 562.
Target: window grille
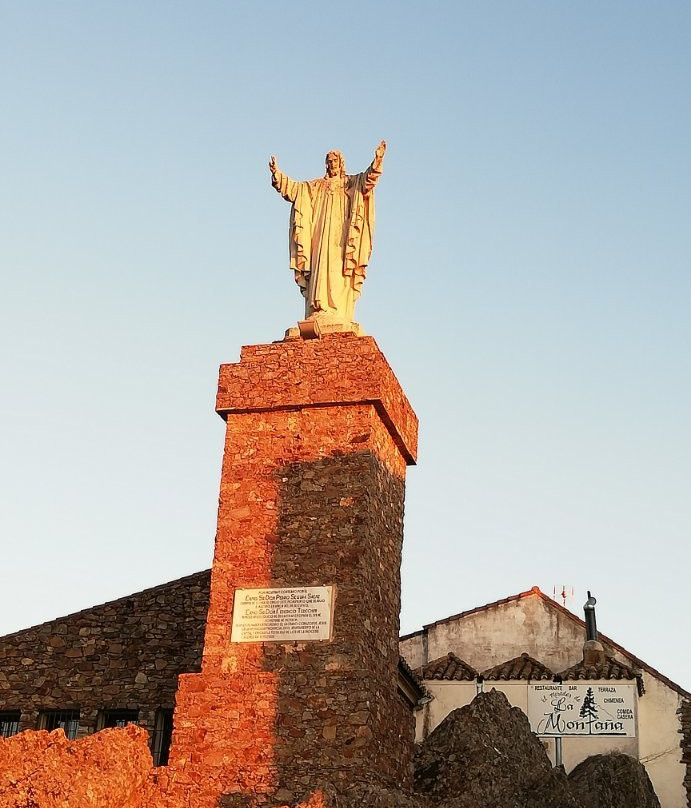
column 162, row 736
column 66, row 720
column 9, row 723
column 117, row 718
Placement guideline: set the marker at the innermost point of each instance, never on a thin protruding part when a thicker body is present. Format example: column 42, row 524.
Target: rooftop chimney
column 593, row 650
column 590, row 623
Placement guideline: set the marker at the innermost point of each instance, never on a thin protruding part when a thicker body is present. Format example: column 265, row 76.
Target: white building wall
column 485, row 638
column 530, row 625
column 412, row 650
column 448, row 696
column 659, row 750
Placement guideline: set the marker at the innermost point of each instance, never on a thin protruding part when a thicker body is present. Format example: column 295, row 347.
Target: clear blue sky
column 529, row 284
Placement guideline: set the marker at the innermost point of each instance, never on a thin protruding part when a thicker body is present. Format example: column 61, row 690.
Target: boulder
column 551, row 791
column 370, row 796
column 481, row 756
column 613, row 780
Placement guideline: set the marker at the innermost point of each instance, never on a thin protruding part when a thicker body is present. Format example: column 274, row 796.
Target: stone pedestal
column 318, row 437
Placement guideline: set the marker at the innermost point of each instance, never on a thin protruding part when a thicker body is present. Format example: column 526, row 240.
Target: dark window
column 66, row 720
column 162, row 735
column 117, row 718
column 9, row 723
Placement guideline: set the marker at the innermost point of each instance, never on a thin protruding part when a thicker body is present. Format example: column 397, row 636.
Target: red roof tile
column 610, row 669
column 521, row 667
column 449, row 668
column 409, row 684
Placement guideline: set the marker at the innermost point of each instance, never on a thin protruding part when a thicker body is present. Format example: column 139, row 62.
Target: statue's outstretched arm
column 376, row 168
column 286, row 187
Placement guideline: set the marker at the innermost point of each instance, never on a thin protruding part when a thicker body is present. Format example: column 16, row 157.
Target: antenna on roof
column 564, row 594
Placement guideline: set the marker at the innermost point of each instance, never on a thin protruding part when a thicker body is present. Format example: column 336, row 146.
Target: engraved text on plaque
column 282, row 615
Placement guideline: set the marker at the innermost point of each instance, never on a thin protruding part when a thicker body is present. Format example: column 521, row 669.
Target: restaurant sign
column 600, row 709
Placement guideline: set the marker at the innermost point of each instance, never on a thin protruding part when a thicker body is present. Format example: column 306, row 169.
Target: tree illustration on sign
column 589, row 709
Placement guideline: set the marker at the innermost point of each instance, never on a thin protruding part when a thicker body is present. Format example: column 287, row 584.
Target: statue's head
column 335, row 164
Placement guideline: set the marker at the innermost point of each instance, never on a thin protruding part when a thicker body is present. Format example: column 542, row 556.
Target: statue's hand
column 379, row 151
column 273, row 165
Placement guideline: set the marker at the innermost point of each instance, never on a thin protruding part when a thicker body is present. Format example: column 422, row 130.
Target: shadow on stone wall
column 338, row 714
column 268, row 723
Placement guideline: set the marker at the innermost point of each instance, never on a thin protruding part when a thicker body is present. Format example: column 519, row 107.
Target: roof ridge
column 454, row 656
column 492, row 605
column 524, row 655
column 446, row 667
column 608, row 660
column 535, row 590
column 145, row 591
column 637, row 661
column 522, row 666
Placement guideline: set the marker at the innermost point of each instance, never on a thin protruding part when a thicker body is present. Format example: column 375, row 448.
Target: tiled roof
column 449, row 667
column 522, row 667
column 610, row 669
column 536, row 592
column 409, row 683
column 405, row 668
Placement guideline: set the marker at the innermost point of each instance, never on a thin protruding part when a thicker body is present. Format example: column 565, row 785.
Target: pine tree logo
column 589, row 709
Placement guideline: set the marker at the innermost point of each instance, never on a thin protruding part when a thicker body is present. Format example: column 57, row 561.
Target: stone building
column 120, row 662
column 116, row 663
column 530, row 639
column 311, row 497
column 310, row 514
column 108, row 665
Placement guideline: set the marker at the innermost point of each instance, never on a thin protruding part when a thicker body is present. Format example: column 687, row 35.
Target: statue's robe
column 331, row 229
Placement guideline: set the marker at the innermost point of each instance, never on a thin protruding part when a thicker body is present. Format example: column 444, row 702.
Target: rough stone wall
column 483, row 754
column 339, row 369
column 45, row 770
column 125, row 654
column 685, row 743
column 311, row 494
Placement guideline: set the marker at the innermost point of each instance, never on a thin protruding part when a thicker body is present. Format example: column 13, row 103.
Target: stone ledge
column 338, row 369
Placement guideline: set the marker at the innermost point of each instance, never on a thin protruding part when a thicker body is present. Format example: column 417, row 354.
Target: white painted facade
column 450, row 695
column 534, row 624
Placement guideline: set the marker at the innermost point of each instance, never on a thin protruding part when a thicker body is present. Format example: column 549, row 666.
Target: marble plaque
column 282, row 615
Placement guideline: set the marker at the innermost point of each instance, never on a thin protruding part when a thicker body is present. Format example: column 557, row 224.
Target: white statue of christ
column 331, row 230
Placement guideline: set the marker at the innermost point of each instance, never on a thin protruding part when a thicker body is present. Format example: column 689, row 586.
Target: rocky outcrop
column 45, row 770
column 369, row 796
column 359, row 795
column 482, row 755
column 612, row 781
column 551, row 791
